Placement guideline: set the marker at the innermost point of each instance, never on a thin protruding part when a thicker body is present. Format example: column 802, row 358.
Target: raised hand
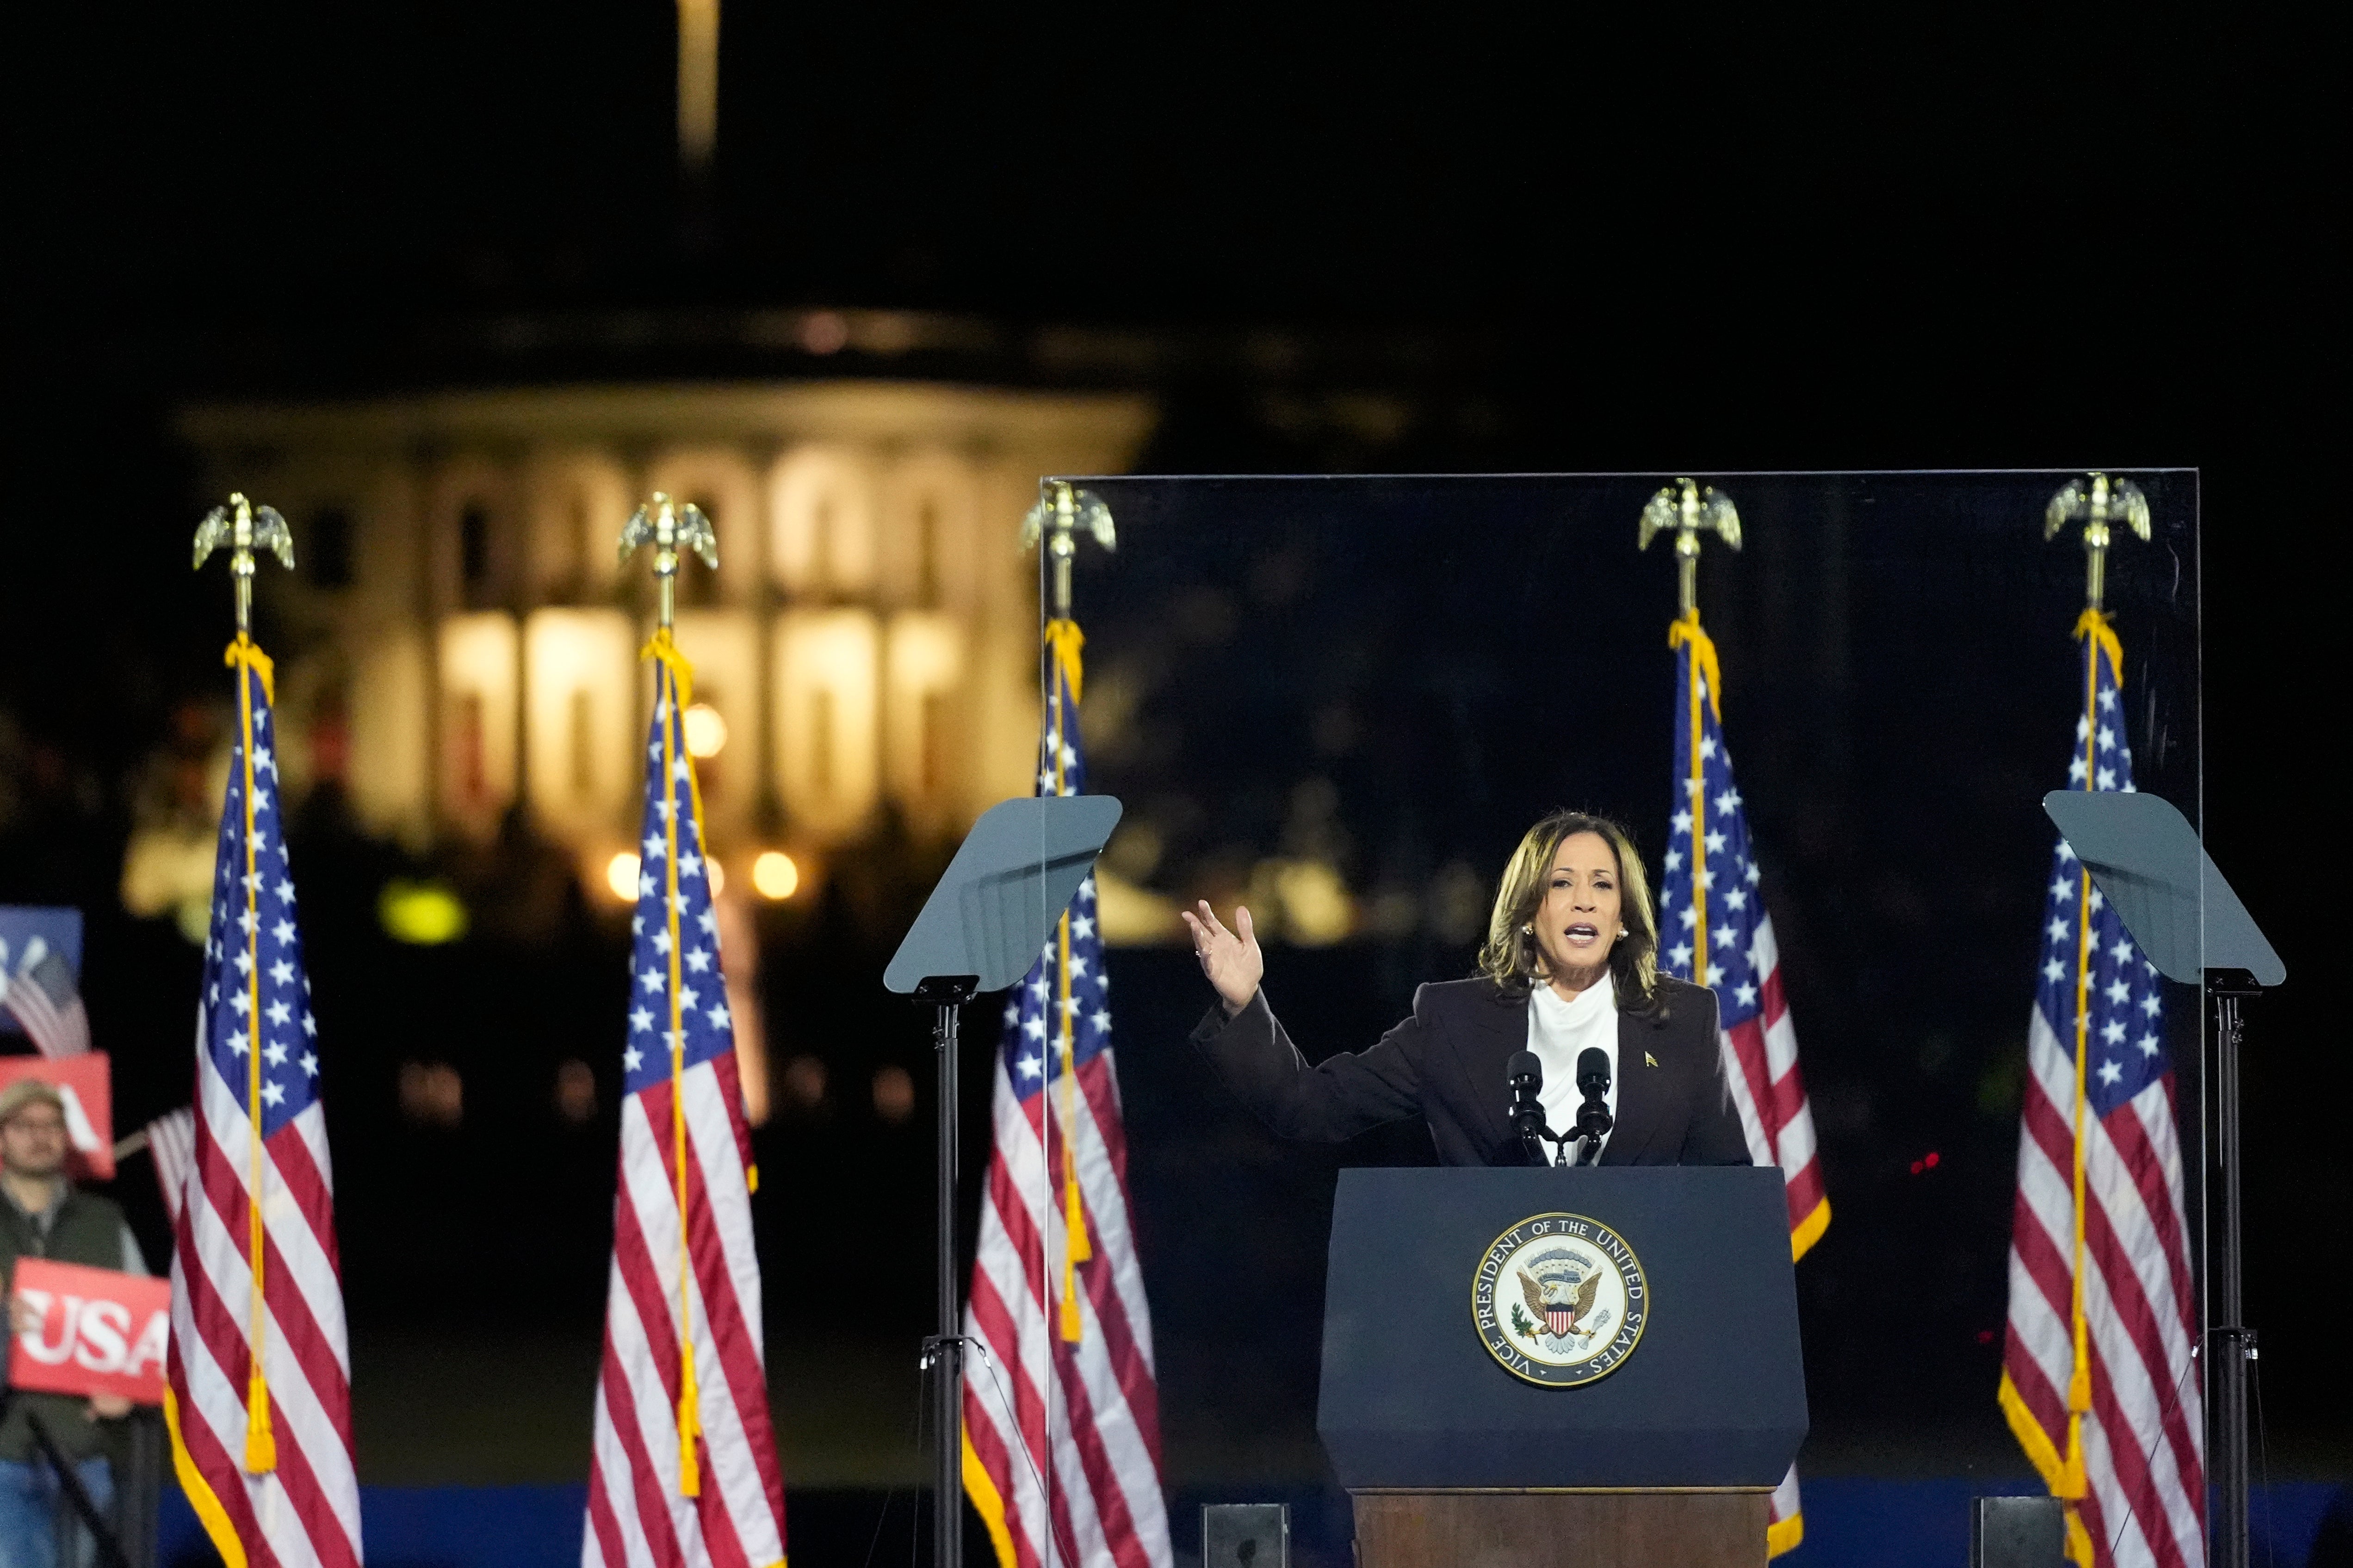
column 1230, row 959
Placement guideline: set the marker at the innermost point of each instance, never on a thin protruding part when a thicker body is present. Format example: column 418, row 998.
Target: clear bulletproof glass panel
column 1342, row 700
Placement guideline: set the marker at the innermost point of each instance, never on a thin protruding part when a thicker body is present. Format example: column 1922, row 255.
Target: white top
column 1559, row 1032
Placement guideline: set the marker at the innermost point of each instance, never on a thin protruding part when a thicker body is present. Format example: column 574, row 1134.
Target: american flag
column 683, row 1468
column 2098, row 1377
column 47, row 1001
column 1712, row 913
column 171, row 1145
column 1061, row 1414
column 258, row 1374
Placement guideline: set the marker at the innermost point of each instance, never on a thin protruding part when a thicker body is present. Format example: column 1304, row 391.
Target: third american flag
column 2098, row 1378
column 1713, row 929
column 1065, row 1393
column 683, row 1469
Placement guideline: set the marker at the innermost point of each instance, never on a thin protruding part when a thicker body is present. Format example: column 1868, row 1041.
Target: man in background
column 42, row 1215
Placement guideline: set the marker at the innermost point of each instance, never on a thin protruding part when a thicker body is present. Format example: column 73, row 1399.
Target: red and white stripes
column 1761, row 1062
column 2142, row 1443
column 47, row 1001
column 171, row 1145
column 638, row 1513
column 1092, row 1405
column 305, row 1510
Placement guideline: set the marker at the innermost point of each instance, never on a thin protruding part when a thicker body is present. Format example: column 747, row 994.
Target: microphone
column 1592, row 1071
column 1526, row 1076
column 1593, row 1119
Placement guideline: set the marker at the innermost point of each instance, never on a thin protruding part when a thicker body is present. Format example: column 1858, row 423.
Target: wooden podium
column 1668, row 1456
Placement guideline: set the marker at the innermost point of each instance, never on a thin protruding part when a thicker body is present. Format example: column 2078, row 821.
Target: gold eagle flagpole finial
column 243, row 527
column 1687, row 509
column 670, row 528
column 1061, row 512
column 2096, row 500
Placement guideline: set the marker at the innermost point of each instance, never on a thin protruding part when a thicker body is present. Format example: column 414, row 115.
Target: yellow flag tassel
column 1704, row 676
column 1064, row 639
column 260, row 1441
column 2093, row 627
column 673, row 683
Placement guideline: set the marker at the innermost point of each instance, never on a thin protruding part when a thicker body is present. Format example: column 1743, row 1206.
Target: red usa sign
column 95, row 1331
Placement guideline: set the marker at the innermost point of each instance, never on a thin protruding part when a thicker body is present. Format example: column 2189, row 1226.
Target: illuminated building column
column 923, row 734
column 577, row 500
column 391, row 715
column 580, row 731
column 477, row 660
column 389, row 702
column 930, row 505
column 825, row 720
column 1002, row 666
column 821, row 524
column 723, row 646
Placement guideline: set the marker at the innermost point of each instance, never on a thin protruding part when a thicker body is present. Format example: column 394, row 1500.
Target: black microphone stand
column 1593, row 1119
column 1593, row 1124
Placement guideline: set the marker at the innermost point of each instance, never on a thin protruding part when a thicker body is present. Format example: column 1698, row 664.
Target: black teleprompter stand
column 981, row 928
column 2147, row 862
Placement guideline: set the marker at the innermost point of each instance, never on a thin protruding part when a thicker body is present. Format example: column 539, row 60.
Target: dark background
column 1410, row 244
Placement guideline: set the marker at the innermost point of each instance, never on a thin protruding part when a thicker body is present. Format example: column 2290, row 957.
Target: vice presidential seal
column 1559, row 1299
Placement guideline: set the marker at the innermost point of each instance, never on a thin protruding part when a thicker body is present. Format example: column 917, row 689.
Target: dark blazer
column 1446, row 1063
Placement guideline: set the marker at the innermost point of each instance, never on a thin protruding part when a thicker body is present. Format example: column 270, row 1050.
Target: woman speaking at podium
column 1570, row 967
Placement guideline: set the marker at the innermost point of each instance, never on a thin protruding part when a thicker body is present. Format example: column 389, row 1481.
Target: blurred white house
column 460, row 637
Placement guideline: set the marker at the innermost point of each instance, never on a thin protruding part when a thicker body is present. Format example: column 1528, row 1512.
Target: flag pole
column 1061, row 512
column 2097, row 500
column 1687, row 509
column 671, row 528
column 243, row 527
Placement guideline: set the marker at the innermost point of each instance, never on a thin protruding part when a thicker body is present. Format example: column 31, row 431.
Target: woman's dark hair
column 1511, row 957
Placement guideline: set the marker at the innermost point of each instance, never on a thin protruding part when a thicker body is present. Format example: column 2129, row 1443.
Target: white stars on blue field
column 2125, row 1022
column 1724, row 867
column 1034, row 1010
column 254, row 936
column 705, row 1029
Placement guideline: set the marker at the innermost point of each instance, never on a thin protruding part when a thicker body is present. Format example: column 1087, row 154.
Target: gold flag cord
column 245, row 656
column 674, row 678
column 1704, row 678
column 2098, row 636
column 1064, row 640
